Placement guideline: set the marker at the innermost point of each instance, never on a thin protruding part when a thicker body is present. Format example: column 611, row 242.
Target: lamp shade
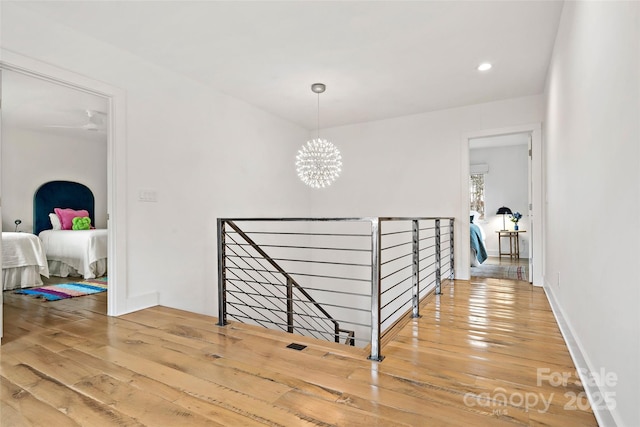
column 503, row 211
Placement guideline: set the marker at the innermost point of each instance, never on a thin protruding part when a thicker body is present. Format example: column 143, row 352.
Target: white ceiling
column 41, row 106
column 379, row 59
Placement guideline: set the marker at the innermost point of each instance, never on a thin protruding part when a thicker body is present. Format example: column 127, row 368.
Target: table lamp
column 503, row 211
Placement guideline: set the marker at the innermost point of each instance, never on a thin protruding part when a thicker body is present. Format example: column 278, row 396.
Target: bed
column 478, row 248
column 23, row 261
column 69, row 252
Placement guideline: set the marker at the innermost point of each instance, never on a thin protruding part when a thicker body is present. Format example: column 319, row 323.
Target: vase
column 515, row 227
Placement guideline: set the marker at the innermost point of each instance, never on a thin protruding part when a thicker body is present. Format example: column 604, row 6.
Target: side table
column 514, row 242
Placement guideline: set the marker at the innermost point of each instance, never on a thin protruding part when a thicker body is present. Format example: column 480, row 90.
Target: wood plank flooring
column 471, row 359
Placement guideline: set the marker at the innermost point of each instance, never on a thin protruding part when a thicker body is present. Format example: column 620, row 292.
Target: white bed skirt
column 21, row 277
column 60, row 269
column 474, row 258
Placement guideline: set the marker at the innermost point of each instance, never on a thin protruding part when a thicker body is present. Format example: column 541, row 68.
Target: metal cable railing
column 347, row 280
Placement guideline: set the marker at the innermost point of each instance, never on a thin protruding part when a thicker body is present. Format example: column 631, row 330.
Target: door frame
column 536, row 198
column 116, row 163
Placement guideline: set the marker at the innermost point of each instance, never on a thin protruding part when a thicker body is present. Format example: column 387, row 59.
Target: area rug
column 512, row 272
column 67, row 290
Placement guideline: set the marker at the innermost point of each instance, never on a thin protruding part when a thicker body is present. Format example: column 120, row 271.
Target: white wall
column 593, row 186
column 505, row 185
column 206, row 154
column 29, row 159
column 410, row 166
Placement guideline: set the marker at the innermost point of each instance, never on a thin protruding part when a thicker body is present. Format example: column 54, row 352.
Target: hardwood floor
column 471, row 359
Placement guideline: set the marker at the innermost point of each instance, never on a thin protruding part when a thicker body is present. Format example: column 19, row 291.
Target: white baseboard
column 604, row 416
column 140, row 302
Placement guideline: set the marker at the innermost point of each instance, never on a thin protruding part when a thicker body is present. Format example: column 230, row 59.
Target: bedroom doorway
column 51, row 132
column 499, row 181
column 113, row 161
column 510, row 161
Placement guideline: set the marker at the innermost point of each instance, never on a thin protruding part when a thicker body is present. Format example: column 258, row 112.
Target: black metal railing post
column 452, row 276
column 438, row 279
column 222, row 279
column 415, row 271
column 289, row 305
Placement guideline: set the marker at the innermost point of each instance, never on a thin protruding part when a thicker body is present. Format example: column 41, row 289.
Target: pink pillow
column 66, row 216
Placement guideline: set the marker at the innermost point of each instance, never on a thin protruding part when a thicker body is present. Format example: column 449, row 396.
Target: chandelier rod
column 318, row 88
column 318, row 115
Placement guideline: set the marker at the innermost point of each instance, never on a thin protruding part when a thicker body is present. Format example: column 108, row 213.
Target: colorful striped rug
column 67, row 290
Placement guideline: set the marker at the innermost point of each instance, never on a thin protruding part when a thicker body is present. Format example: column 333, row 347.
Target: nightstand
column 514, row 242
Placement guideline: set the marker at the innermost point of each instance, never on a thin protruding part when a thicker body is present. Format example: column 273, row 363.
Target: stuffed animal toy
column 81, row 223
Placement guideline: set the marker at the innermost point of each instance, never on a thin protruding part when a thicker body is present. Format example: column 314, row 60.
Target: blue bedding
column 477, row 244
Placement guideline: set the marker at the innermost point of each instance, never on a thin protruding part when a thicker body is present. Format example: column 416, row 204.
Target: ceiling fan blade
column 87, row 127
column 95, row 122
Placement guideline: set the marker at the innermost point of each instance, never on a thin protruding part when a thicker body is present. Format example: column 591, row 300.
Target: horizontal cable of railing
column 397, row 258
column 320, row 276
column 307, row 288
column 310, row 247
column 309, row 261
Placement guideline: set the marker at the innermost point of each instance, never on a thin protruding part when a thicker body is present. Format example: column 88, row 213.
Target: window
column 476, row 191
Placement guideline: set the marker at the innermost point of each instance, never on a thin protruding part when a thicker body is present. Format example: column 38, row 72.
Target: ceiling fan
column 95, row 122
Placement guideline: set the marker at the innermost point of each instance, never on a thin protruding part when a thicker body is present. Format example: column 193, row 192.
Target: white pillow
column 55, row 221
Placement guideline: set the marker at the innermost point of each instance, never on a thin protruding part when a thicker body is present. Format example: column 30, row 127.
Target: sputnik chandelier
column 318, row 162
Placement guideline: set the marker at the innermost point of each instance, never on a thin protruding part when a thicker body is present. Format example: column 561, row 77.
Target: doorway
column 534, row 207
column 50, row 132
column 115, row 161
column 499, row 200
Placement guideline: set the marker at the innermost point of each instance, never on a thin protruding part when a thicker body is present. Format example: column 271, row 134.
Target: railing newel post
column 438, row 279
column 289, row 305
column 415, row 273
column 451, row 240
column 222, row 278
column 375, row 290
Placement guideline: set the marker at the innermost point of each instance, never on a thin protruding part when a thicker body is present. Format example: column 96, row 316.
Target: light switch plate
column 148, row 196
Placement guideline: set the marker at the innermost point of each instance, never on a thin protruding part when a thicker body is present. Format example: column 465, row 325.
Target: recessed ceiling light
column 484, row 66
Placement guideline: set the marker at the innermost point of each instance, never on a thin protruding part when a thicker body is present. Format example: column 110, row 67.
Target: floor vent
column 296, row 346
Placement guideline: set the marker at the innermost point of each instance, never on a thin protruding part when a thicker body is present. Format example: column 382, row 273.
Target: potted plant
column 515, row 217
